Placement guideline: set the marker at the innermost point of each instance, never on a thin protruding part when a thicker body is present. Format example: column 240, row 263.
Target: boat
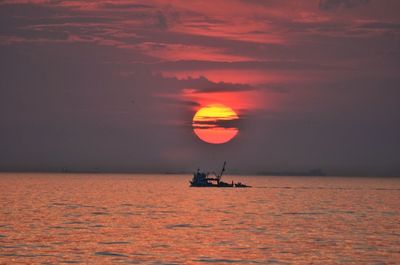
column 241, row 185
column 203, row 179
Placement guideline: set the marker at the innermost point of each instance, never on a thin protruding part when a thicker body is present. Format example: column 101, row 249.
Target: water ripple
column 221, row 260
column 107, row 253
column 115, row 243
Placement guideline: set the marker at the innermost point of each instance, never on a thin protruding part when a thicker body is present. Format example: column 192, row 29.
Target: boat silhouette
column 203, row 179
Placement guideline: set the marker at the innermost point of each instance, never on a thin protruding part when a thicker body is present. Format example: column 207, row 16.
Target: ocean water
column 158, row 219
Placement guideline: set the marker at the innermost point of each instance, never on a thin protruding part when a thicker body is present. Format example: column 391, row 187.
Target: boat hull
column 220, row 185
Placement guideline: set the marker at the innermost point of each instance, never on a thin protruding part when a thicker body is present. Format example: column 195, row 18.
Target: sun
column 215, row 124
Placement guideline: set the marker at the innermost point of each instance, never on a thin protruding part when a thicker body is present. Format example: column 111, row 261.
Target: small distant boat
column 202, row 179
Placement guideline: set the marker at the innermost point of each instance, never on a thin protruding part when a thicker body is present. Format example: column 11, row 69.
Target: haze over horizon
column 113, row 85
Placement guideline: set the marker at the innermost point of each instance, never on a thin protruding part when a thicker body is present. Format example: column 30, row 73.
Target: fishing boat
column 203, row 179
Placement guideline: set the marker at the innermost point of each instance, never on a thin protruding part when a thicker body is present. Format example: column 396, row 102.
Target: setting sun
column 215, row 124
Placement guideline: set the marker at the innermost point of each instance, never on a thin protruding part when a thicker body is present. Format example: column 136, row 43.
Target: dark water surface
column 157, row 219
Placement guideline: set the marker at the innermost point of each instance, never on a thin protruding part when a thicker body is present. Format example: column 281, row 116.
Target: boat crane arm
column 222, row 171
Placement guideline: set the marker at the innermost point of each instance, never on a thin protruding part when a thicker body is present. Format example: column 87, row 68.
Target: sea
column 48, row 218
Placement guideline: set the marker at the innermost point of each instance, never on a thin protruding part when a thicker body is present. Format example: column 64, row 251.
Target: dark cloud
column 109, row 5
column 381, row 26
column 42, row 22
column 223, row 87
column 162, row 21
column 28, row 10
column 334, row 4
column 218, row 123
column 182, row 102
column 244, row 65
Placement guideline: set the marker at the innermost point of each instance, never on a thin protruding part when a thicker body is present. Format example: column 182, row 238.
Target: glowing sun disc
column 207, row 124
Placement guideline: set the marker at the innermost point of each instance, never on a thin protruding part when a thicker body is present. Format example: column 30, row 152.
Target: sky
column 113, row 85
